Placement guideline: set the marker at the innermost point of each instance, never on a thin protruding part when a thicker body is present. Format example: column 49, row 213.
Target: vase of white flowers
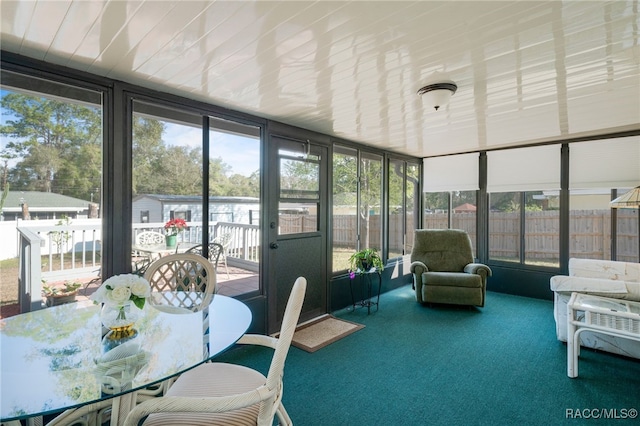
column 123, row 298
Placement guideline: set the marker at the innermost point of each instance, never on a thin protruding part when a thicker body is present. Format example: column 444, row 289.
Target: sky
column 241, row 153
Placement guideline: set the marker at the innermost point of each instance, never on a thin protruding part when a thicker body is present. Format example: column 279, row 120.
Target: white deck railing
column 67, row 252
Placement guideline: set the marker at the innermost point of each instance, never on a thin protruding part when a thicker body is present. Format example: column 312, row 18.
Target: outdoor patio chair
column 221, row 393
column 224, row 240
column 215, row 251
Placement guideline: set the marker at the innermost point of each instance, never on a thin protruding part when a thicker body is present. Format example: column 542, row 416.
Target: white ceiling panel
column 527, row 71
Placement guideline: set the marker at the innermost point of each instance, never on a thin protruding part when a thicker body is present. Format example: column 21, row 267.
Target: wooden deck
column 237, row 282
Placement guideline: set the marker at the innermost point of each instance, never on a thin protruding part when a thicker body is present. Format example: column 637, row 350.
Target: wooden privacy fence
column 589, row 232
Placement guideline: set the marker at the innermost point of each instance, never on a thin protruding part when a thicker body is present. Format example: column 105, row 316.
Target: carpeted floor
column 444, row 365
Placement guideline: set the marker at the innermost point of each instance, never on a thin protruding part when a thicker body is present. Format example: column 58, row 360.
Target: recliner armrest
column 478, row 269
column 417, row 264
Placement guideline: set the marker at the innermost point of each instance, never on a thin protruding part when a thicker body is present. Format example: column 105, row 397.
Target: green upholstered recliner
column 443, row 269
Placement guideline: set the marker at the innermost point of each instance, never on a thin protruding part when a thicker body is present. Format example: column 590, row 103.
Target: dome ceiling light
column 438, row 94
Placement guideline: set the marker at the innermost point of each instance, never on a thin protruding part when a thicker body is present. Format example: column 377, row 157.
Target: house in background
column 35, row 205
column 149, row 208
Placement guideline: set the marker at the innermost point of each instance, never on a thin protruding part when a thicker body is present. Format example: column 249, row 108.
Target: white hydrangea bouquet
column 117, row 293
column 120, row 289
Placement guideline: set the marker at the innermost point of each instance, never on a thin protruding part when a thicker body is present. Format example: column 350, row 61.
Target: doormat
column 322, row 332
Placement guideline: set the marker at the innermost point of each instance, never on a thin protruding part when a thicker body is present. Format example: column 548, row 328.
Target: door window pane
column 299, row 179
column 299, row 193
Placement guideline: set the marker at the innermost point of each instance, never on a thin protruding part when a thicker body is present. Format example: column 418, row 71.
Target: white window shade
column 451, row 173
column 611, row 163
column 524, row 169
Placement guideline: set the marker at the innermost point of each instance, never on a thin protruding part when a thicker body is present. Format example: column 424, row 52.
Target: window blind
column 610, row 163
column 524, row 169
column 451, row 173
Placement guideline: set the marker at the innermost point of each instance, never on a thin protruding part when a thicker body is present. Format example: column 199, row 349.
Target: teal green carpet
column 444, row 365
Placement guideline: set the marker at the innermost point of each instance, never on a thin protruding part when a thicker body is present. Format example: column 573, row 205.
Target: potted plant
column 363, row 261
column 172, row 228
column 60, row 295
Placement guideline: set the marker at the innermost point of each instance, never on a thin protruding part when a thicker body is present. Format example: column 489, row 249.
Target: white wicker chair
column 223, row 394
column 181, row 283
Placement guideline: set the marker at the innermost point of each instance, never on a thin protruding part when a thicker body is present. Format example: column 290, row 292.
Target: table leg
column 572, row 357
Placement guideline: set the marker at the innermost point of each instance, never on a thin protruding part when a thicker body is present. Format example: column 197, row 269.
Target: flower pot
column 60, row 299
column 171, row 240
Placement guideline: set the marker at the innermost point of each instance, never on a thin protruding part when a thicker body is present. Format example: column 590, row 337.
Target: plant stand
column 366, row 287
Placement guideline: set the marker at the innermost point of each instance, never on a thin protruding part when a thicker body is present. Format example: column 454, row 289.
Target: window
column 357, row 200
column 181, row 214
column 169, row 165
column 464, row 212
column 235, row 153
column 524, row 215
column 144, row 216
column 504, row 226
column 51, row 145
column 166, row 169
column 450, row 198
column 299, row 193
column 598, row 172
column 403, row 205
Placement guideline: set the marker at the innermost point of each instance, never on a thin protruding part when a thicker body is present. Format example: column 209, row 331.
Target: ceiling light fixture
column 438, row 94
column 629, row 200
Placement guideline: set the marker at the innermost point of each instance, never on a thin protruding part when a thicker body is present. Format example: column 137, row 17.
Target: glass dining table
column 57, row 359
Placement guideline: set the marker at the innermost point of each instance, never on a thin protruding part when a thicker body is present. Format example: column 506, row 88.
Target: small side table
column 367, row 295
column 614, row 317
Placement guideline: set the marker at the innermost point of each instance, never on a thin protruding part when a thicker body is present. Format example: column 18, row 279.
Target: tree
column 46, row 137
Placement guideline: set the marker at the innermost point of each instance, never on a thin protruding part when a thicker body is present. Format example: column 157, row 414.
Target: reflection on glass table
column 55, row 359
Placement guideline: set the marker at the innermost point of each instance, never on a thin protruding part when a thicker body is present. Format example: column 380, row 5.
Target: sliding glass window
column 51, row 146
column 169, row 184
column 598, row 172
column 450, row 197
column 357, row 201
column 234, row 203
column 403, row 205
column 167, row 175
column 524, row 212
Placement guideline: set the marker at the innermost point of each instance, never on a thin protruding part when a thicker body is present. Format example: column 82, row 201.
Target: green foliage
column 5, row 192
column 50, row 140
column 362, row 261
column 67, row 288
column 60, row 238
